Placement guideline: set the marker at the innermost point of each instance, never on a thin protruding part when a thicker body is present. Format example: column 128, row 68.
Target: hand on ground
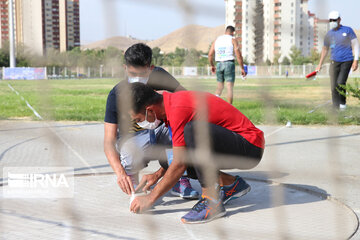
column 140, row 204
column 146, row 182
column 125, row 183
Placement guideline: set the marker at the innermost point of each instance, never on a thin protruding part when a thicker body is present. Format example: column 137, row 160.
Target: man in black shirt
column 127, row 155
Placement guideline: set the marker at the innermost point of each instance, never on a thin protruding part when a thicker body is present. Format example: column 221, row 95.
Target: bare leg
column 219, row 88
column 229, row 87
column 226, row 179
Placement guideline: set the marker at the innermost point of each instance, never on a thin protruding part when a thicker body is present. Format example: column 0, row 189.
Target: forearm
column 113, row 158
column 355, row 47
column 160, row 172
column 324, row 53
column 211, row 61
column 172, row 175
column 240, row 59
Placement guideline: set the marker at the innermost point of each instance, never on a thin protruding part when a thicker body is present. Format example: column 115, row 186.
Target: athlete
column 343, row 42
column 128, row 155
column 223, row 48
column 230, row 134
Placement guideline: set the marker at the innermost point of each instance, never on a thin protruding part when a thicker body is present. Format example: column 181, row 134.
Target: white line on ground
column 320, row 105
column 191, row 234
column 53, row 131
column 72, row 150
column 27, row 103
column 272, row 133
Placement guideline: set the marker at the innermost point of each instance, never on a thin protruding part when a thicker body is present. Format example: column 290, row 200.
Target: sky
column 152, row 19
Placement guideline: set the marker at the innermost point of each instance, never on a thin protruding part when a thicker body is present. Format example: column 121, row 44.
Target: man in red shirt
column 230, row 135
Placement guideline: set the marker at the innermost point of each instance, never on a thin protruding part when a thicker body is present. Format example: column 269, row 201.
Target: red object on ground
column 311, row 74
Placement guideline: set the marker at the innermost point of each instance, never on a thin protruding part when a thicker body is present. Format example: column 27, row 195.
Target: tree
column 285, row 61
column 268, row 62
column 276, row 59
column 191, row 57
column 157, row 56
column 296, row 56
column 314, row 56
column 259, row 32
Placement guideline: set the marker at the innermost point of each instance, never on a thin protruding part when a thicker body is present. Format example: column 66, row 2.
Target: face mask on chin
column 149, row 125
column 143, row 80
column 333, row 25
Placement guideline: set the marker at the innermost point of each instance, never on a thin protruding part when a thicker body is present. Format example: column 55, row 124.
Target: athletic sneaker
column 238, row 189
column 183, row 189
column 205, row 210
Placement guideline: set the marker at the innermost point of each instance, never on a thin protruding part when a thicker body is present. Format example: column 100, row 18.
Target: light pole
column 11, row 34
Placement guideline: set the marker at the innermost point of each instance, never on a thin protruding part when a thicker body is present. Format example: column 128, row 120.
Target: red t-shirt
column 181, row 108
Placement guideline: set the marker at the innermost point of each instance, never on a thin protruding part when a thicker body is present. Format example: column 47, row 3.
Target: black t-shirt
column 159, row 79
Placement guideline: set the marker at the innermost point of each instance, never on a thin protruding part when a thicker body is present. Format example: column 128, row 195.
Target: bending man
column 231, row 134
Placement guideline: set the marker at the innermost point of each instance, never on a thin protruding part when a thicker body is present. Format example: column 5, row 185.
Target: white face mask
column 143, row 80
column 149, row 125
column 333, row 25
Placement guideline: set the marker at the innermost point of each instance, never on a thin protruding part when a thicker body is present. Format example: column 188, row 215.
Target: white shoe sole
column 219, row 215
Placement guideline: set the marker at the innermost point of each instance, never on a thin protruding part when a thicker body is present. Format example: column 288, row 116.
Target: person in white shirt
column 223, row 48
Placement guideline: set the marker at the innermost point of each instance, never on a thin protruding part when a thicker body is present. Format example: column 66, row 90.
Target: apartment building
column 4, row 33
column 287, row 23
column 321, row 27
column 41, row 25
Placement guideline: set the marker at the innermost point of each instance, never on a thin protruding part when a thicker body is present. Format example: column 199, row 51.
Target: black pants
column 227, row 146
column 339, row 72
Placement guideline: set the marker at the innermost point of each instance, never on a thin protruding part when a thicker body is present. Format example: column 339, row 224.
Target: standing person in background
column 342, row 41
column 223, row 48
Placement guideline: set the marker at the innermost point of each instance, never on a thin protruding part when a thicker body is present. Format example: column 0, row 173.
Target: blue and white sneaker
column 183, row 189
column 238, row 189
column 205, row 210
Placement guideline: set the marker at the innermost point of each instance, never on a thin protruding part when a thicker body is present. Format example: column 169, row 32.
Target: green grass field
column 264, row 101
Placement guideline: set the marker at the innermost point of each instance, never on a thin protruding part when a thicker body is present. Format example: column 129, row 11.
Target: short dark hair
column 138, row 55
column 143, row 96
column 230, row 29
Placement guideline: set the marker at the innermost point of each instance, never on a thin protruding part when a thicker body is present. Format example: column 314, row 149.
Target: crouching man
column 231, row 136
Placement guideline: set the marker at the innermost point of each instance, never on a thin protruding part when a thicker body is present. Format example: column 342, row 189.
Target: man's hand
column 125, row 183
column 318, row 68
column 213, row 69
column 141, row 204
column 243, row 73
column 354, row 66
column 147, row 181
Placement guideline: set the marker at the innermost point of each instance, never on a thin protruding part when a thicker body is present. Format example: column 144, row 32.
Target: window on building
column 292, row 34
column 301, row 43
column 278, row 4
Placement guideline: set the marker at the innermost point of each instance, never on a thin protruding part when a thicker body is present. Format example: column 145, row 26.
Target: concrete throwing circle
column 99, row 210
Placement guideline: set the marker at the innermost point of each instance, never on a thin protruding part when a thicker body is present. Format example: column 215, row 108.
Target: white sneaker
column 342, row 107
